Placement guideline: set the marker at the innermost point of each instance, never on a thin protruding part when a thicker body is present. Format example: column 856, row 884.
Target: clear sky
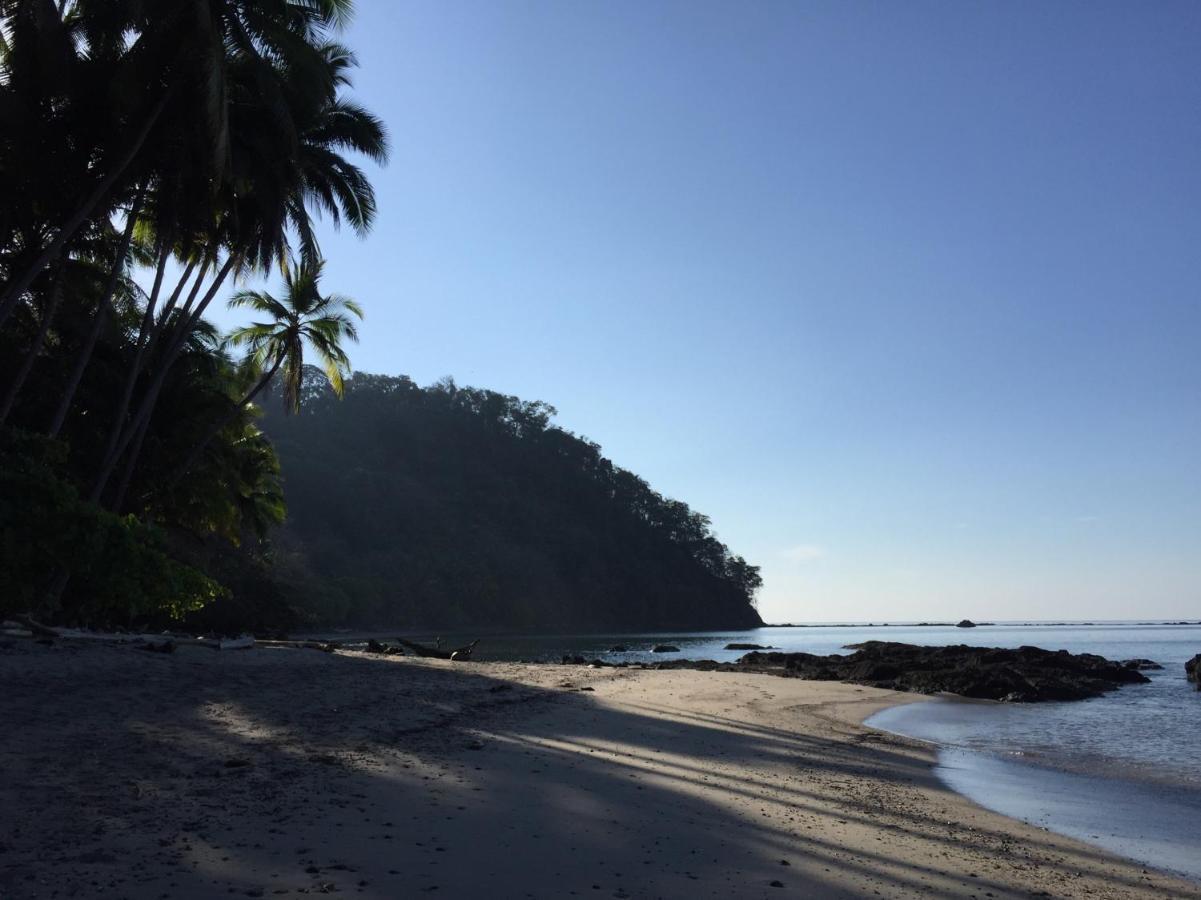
column 905, row 296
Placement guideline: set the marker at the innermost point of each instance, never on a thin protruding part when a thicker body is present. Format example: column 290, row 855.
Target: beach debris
column 374, row 646
column 165, row 642
column 243, row 642
column 1192, row 670
column 665, row 648
column 36, row 628
column 164, row 646
column 436, row 652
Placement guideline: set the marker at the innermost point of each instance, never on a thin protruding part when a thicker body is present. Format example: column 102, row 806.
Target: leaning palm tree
column 304, row 317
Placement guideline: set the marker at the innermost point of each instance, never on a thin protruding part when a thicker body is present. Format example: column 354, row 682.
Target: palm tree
column 166, row 74
column 304, row 317
column 276, row 177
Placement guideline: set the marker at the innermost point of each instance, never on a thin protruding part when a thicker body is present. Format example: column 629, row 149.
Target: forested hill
column 447, row 506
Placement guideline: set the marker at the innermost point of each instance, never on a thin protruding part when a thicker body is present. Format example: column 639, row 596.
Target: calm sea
column 1121, row 771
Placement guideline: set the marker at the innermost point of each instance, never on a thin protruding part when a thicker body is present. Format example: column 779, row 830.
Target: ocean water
column 1121, row 771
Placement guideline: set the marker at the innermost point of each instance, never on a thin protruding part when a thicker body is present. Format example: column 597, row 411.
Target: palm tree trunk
column 169, row 306
column 150, row 399
column 35, row 347
column 131, row 378
column 85, row 353
column 131, row 463
column 11, row 292
column 193, row 455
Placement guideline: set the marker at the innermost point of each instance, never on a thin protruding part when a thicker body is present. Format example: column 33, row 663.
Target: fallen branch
column 424, row 651
column 436, row 652
column 37, row 627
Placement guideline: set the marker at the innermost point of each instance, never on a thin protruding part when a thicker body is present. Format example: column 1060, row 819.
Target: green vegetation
column 465, row 507
column 150, row 155
column 154, row 155
column 121, row 566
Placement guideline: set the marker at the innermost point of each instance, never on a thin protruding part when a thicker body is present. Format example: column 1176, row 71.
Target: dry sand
column 275, row 772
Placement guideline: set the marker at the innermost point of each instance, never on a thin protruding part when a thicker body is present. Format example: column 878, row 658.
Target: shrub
column 119, row 568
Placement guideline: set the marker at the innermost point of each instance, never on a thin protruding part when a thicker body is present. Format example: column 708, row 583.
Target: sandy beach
column 277, row 772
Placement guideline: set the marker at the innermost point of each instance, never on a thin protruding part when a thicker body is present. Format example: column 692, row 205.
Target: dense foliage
column 121, row 565
column 154, row 155
column 448, row 506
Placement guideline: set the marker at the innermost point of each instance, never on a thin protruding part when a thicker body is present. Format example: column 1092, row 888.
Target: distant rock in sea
column 747, row 647
column 665, row 648
column 965, row 623
column 1142, row 665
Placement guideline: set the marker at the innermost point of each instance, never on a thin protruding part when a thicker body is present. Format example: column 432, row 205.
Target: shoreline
column 278, row 771
column 1147, row 821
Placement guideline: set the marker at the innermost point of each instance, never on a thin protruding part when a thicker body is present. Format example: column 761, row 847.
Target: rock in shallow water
column 1192, row 670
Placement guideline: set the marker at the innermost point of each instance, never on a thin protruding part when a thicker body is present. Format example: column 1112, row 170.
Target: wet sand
column 1146, row 813
column 276, row 772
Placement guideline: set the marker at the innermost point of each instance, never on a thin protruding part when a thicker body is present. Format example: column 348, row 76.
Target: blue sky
column 906, row 297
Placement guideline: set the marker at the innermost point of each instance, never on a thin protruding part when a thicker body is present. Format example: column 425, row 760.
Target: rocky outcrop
column 1026, row 675
column 965, row 623
column 665, row 648
column 1192, row 670
column 1142, row 665
column 747, row 647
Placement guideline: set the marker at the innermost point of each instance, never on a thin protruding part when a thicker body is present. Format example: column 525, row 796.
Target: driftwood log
column 436, row 652
column 157, row 641
column 36, row 627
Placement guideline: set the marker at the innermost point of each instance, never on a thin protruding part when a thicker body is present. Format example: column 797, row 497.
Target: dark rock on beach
column 1027, row 674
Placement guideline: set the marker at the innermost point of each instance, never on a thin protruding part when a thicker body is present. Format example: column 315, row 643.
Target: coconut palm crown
column 303, row 316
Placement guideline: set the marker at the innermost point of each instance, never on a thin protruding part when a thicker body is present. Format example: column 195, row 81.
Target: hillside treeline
column 451, row 506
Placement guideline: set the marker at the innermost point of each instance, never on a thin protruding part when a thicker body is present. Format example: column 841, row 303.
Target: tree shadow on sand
column 295, row 772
